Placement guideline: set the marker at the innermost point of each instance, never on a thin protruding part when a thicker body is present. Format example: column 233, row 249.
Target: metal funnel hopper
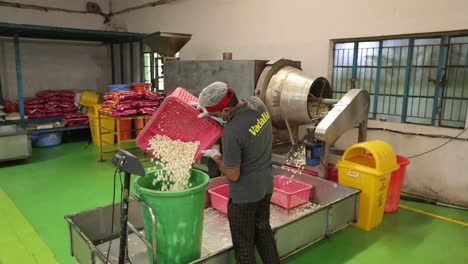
column 166, row 44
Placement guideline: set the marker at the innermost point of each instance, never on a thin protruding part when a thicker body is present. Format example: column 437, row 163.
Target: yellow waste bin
column 367, row 166
column 106, row 122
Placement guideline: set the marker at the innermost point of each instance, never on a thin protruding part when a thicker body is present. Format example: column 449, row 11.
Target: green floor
column 67, row 179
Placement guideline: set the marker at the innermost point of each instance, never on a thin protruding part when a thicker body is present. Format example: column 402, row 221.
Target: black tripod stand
column 129, row 164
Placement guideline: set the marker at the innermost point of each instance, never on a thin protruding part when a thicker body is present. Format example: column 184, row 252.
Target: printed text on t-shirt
column 260, row 123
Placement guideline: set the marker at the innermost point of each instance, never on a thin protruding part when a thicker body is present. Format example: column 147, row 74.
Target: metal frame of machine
column 90, row 232
column 293, row 98
column 15, row 142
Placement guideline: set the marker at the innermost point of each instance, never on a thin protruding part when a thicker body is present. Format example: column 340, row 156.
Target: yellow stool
column 369, row 172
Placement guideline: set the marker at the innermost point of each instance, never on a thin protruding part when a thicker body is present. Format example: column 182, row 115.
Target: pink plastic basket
column 219, row 197
column 177, row 119
column 289, row 193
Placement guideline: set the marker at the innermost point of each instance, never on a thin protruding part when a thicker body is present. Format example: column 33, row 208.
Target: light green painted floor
column 68, row 179
column 19, row 242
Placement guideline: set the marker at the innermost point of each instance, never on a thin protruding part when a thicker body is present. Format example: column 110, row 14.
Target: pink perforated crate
column 177, row 119
column 289, row 193
column 219, row 197
column 182, row 94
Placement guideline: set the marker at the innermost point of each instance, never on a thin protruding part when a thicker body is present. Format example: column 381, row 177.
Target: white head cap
column 212, row 94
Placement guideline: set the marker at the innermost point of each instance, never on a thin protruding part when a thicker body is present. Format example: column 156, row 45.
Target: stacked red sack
column 76, row 119
column 130, row 103
column 50, row 103
column 10, row 107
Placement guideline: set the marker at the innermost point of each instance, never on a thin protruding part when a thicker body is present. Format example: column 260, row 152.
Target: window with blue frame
column 154, row 69
column 410, row 80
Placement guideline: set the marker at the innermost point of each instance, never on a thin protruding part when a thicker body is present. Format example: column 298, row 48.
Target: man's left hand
column 211, row 153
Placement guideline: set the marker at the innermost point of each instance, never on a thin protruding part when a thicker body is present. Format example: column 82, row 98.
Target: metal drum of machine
column 291, row 95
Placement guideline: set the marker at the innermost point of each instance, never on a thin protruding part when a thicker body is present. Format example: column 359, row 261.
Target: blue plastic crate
column 313, row 154
column 119, row 87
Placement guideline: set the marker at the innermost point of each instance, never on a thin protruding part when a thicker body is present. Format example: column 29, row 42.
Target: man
column 246, row 162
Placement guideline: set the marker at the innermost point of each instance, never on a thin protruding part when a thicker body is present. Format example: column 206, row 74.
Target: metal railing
column 153, row 245
column 410, row 80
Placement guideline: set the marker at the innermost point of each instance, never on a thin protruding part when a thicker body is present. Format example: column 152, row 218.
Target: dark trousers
column 250, row 227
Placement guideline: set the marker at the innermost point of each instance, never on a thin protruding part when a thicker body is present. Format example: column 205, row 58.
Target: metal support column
column 19, row 78
column 362, row 135
column 122, row 73
column 1, row 91
column 443, row 52
column 142, row 63
column 355, row 60
column 324, row 160
column 377, row 80
column 152, row 75
column 156, row 74
column 112, row 62
column 409, row 61
column 131, row 62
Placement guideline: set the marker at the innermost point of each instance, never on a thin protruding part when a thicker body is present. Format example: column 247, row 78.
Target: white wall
column 57, row 64
column 53, row 18
column 54, row 65
column 302, row 30
column 296, row 29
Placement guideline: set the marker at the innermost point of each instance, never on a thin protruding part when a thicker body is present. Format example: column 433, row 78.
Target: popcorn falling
column 176, row 159
column 296, row 159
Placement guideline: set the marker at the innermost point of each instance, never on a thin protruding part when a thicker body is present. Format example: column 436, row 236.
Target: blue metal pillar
column 377, row 80
column 355, row 60
column 409, row 61
column 142, row 63
column 444, row 43
column 122, row 73
column 152, row 75
column 112, row 62
column 19, row 78
column 131, row 62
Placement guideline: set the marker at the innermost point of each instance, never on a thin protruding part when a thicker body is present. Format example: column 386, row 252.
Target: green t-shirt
column 247, row 140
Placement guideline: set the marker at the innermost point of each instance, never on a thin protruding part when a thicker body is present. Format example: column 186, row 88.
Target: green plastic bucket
column 179, row 218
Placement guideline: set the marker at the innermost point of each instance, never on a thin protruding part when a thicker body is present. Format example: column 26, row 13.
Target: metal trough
column 295, row 229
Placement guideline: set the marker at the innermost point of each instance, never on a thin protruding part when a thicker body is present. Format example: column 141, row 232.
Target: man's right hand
column 201, row 108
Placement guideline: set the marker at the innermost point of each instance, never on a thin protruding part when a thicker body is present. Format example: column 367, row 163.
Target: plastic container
column 313, row 153
column 44, row 140
column 177, row 119
column 106, row 122
column 141, row 86
column 219, row 197
column 119, row 87
column 332, row 172
column 396, row 184
column 124, row 131
column 179, row 218
column 371, row 175
column 289, row 193
column 140, row 123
